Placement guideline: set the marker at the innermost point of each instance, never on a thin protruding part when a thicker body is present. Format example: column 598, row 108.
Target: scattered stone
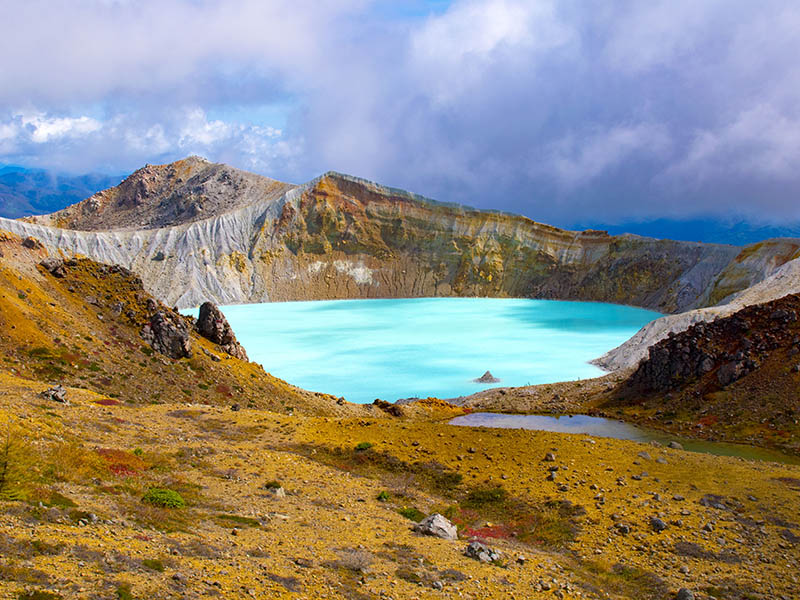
column 211, row 355
column 657, row 524
column 708, row 527
column 32, row 243
column 645, row 455
column 213, row 326
column 684, row 570
column 481, row 552
column 684, row 594
column 487, row 378
column 56, row 393
column 438, row 526
column 437, row 585
column 675, row 446
column 661, row 460
column 235, row 407
column 549, row 457
column 521, row 559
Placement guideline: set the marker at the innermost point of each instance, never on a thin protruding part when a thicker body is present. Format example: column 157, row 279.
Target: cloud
column 576, row 160
column 549, row 108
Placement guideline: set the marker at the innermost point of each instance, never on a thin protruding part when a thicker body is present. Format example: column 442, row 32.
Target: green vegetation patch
column 239, row 520
column 154, row 564
column 163, row 498
column 412, row 513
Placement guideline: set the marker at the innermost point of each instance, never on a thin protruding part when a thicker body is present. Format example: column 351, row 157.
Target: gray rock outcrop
column 481, row 552
column 54, row 266
column 56, row 393
column 438, row 526
column 168, row 334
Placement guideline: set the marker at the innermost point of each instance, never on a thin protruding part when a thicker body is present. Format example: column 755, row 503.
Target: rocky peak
column 158, row 196
column 213, row 326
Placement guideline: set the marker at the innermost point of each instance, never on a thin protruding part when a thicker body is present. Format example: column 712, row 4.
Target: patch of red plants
column 223, row 389
column 122, row 463
column 708, row 420
column 499, row 531
column 107, row 402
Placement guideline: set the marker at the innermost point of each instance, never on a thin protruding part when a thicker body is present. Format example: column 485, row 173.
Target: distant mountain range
column 25, row 192
column 712, row 231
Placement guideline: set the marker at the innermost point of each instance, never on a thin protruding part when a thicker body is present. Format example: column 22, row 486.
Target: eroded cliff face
column 343, row 237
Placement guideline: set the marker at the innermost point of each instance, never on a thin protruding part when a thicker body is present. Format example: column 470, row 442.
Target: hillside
column 735, row 378
column 84, row 328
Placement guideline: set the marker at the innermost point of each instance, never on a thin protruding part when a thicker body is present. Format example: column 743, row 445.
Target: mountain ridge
column 340, row 236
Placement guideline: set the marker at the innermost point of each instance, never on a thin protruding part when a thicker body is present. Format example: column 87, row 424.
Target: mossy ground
column 73, row 524
column 330, row 536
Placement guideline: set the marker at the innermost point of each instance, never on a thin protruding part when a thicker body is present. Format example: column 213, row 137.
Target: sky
column 563, row 110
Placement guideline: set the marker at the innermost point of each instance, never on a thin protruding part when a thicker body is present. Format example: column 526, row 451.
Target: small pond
column 602, row 427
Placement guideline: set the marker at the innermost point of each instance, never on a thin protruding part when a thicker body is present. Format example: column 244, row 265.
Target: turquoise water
column 401, row 348
column 601, row 427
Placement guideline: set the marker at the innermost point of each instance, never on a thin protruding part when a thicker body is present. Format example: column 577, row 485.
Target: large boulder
column 438, row 526
column 213, row 326
column 168, row 334
column 54, row 266
column 56, row 393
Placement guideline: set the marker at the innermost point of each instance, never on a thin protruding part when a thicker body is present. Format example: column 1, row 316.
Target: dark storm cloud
column 564, row 111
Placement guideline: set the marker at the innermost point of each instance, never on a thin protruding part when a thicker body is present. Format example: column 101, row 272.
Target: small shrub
column 354, row 560
column 362, row 446
column 272, row 485
column 412, row 513
column 239, row 520
column 124, row 592
column 383, row 497
column 479, row 498
column 39, row 595
column 153, row 564
column 138, row 452
column 163, row 498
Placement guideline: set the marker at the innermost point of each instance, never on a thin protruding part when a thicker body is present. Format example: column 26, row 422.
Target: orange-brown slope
column 84, row 329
